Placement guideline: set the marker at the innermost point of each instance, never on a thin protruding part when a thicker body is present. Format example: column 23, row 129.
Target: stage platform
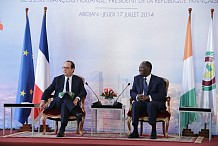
column 99, row 139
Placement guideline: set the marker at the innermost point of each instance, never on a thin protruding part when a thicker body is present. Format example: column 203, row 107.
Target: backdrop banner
column 107, row 40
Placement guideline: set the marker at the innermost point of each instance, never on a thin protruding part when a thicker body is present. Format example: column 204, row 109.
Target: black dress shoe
column 133, row 135
column 61, row 131
column 153, row 136
column 60, row 134
column 153, row 132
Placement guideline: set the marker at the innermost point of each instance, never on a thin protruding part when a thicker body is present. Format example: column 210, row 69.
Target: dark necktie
column 145, row 87
column 67, row 85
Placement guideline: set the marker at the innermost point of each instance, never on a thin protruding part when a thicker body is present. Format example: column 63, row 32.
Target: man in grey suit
column 69, row 90
column 149, row 95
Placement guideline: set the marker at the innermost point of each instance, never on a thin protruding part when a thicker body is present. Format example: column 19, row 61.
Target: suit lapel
column 72, row 83
column 62, row 82
column 141, row 84
column 151, row 82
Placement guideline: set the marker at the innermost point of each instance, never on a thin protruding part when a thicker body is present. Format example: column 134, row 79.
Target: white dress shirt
column 70, row 85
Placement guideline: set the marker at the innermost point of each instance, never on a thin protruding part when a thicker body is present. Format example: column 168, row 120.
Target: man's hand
column 42, row 105
column 75, row 101
column 139, row 97
column 142, row 97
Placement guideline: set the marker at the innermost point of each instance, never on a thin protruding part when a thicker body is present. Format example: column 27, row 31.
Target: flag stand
column 204, row 132
column 28, row 127
column 188, row 132
column 48, row 129
column 25, row 127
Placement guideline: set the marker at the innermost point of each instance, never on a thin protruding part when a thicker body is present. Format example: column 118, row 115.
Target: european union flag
column 26, row 76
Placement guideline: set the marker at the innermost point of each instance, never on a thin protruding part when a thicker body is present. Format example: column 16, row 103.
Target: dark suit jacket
column 58, row 86
column 156, row 89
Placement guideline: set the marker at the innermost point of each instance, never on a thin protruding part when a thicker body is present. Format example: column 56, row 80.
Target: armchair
column 163, row 116
column 54, row 114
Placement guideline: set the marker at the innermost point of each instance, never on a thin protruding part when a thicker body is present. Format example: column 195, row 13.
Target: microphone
column 97, row 103
column 118, row 103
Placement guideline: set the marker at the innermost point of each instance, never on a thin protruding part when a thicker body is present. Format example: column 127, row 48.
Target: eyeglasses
column 65, row 67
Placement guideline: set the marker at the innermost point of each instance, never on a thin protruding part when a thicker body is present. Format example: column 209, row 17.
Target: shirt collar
column 70, row 78
column 148, row 78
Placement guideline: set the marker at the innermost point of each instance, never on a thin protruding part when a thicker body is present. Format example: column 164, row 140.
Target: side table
column 108, row 107
column 11, row 106
column 195, row 110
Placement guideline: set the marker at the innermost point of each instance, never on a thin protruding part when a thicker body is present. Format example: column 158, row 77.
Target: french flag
column 42, row 79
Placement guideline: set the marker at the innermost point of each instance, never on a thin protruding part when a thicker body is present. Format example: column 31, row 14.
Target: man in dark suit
column 149, row 95
column 69, row 90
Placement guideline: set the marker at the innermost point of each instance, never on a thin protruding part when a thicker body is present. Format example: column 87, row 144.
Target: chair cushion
column 162, row 114
column 56, row 112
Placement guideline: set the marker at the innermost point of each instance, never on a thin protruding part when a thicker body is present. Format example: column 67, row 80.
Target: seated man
column 69, row 90
column 149, row 95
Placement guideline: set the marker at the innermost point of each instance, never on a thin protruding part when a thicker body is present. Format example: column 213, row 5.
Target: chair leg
column 129, row 124
column 164, row 128
column 56, row 128
column 141, row 127
column 44, row 125
column 167, row 126
column 77, row 127
column 81, row 126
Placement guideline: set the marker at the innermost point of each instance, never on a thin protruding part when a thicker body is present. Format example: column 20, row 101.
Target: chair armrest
column 83, row 104
column 168, row 103
column 48, row 102
column 130, row 104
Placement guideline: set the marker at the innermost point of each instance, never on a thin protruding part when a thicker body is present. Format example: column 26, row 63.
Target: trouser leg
column 65, row 113
column 137, row 109
column 152, row 110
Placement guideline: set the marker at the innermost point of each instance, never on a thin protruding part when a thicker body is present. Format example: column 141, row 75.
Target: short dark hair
column 72, row 64
column 148, row 64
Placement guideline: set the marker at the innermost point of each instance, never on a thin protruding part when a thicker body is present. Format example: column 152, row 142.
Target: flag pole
column 27, row 9
column 26, row 126
column 188, row 117
column 190, row 12
column 205, row 124
column 211, row 11
column 42, row 69
column 39, row 111
column 205, row 132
